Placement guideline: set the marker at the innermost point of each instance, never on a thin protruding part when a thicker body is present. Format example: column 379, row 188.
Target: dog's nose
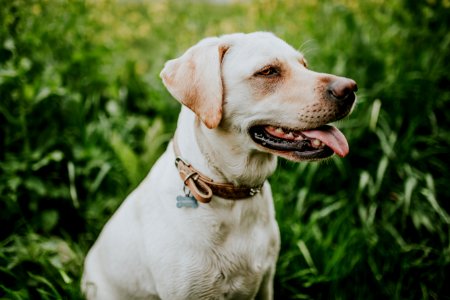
column 342, row 89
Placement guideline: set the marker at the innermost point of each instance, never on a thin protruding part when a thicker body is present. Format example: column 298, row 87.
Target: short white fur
column 150, row 249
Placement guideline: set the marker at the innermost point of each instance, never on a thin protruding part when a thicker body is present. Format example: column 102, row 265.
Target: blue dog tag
column 186, row 201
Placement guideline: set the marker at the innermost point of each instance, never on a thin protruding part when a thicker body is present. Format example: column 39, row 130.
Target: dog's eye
column 268, row 71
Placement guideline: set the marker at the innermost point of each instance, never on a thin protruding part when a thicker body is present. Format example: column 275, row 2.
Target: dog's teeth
column 289, row 135
column 316, row 143
column 279, row 130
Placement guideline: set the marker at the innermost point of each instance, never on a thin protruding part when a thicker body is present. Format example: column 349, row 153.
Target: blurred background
column 84, row 115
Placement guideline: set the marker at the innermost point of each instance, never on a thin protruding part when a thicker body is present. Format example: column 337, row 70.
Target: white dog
column 202, row 224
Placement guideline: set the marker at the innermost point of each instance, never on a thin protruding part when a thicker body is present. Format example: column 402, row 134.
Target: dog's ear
column 195, row 80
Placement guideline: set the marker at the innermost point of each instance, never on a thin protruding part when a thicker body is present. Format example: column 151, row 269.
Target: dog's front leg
column 265, row 291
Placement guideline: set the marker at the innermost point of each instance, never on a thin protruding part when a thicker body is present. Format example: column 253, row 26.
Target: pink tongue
column 330, row 136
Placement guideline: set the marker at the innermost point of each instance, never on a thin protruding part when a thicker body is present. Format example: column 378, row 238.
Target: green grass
column 83, row 116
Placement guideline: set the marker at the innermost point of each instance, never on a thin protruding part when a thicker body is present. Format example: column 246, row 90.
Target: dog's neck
column 221, row 155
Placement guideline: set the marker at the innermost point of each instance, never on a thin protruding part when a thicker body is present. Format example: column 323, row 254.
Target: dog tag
column 186, row 201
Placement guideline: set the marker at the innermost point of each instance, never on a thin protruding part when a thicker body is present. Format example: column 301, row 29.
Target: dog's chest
column 232, row 269
column 227, row 259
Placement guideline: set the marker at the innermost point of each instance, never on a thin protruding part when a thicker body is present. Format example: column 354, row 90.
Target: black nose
column 342, row 89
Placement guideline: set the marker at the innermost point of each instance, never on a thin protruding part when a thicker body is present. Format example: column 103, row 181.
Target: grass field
column 84, row 115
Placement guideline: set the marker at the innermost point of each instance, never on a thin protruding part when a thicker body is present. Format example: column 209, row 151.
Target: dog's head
column 258, row 85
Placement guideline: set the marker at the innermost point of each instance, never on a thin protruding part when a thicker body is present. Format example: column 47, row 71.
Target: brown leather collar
column 203, row 188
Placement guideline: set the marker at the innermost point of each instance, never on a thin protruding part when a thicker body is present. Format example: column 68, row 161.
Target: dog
column 202, row 224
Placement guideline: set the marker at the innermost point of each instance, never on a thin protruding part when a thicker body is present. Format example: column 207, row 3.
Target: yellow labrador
column 202, row 224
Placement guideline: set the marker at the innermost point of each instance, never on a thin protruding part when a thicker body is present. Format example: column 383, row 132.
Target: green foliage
column 84, row 115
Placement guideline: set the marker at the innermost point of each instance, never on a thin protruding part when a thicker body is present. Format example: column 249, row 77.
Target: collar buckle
column 202, row 188
column 254, row 191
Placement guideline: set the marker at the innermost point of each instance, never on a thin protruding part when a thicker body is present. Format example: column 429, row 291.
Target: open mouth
column 308, row 144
